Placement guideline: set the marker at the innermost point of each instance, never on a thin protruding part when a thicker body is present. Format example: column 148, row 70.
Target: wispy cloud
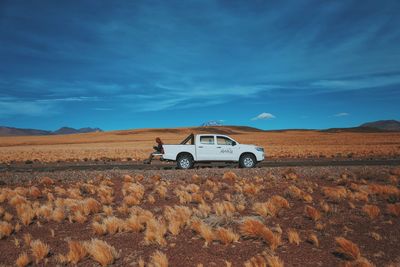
column 341, row 114
column 358, row 82
column 26, row 108
column 264, row 116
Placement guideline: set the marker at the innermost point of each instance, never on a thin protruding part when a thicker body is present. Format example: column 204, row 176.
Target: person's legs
column 148, row 161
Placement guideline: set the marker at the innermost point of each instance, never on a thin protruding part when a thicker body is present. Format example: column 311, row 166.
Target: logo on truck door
column 227, row 150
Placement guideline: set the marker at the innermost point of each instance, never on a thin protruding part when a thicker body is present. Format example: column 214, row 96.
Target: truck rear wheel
column 185, row 161
column 247, row 161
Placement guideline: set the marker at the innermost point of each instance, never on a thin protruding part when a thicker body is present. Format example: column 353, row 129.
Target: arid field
column 314, row 216
column 136, row 144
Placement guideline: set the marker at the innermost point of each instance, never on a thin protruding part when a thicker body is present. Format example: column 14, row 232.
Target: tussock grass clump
column 58, row 215
column 256, row 229
column 183, row 196
column 230, row 176
column 335, row 193
column 256, row 261
column 158, row 259
column 25, row 213
column 77, row 251
column 101, row 252
column 177, row 217
column 47, row 181
column 252, row 189
column 35, row 192
column 384, row 191
column 293, row 237
column 78, row 217
column 224, row 208
column 161, row 191
column 22, row 260
column 347, row 248
column 114, row 224
column 393, row 209
column 226, row 236
column 98, row 228
column 372, row 211
column 271, row 207
column 5, row 229
column 204, row 230
column 313, row 239
column 91, row 206
column 8, row 217
column 27, row 239
column 312, row 213
column 274, row 261
column 155, row 232
column 39, row 250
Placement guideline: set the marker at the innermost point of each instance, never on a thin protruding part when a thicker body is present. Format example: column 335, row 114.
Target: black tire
column 247, row 161
column 184, row 161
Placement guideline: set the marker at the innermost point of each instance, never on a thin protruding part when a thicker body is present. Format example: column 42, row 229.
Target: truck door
column 206, row 148
column 226, row 150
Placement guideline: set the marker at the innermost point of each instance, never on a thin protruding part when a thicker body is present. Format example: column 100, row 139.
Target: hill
column 12, row 131
column 386, row 125
column 370, row 127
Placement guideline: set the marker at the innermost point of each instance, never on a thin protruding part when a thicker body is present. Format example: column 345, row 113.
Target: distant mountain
column 386, row 125
column 370, row 127
column 212, row 123
column 11, row 131
column 69, row 130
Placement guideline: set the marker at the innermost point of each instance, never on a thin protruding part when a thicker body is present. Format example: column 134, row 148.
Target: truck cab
column 212, row 148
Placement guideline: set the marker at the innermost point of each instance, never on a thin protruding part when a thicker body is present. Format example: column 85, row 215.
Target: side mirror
column 234, row 143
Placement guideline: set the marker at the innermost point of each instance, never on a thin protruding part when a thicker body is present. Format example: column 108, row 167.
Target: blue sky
column 135, row 64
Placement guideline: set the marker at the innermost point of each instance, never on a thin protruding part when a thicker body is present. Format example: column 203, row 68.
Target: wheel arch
column 184, row 153
column 248, row 153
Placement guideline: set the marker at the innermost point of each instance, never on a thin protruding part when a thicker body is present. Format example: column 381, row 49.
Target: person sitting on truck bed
column 158, row 149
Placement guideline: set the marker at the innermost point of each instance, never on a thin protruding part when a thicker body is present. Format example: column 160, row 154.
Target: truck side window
column 207, row 140
column 224, row 141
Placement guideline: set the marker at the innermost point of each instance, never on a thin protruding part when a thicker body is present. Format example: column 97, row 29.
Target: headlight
column 260, row 149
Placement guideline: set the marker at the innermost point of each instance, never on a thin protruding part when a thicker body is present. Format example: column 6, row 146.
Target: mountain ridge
column 13, row 131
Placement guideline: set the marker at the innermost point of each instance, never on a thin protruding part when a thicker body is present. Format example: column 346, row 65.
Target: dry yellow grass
column 136, row 144
column 256, row 261
column 312, row 213
column 274, row 261
column 77, row 251
column 101, row 252
column 39, row 250
column 348, row 248
column 256, row 229
column 372, row 211
column 155, row 232
column 158, row 259
column 393, row 209
column 5, row 229
column 204, row 230
column 293, row 237
column 313, row 239
column 22, row 260
column 226, row 236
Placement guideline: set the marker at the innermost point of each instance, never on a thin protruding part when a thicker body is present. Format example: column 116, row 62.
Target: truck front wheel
column 185, row 161
column 247, row 161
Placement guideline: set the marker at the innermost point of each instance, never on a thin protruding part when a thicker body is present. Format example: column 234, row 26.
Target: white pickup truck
column 210, row 148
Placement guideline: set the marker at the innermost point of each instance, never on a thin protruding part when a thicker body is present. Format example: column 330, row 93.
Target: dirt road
column 158, row 165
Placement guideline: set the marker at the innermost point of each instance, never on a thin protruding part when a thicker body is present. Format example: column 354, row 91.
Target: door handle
column 218, row 147
column 200, row 146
